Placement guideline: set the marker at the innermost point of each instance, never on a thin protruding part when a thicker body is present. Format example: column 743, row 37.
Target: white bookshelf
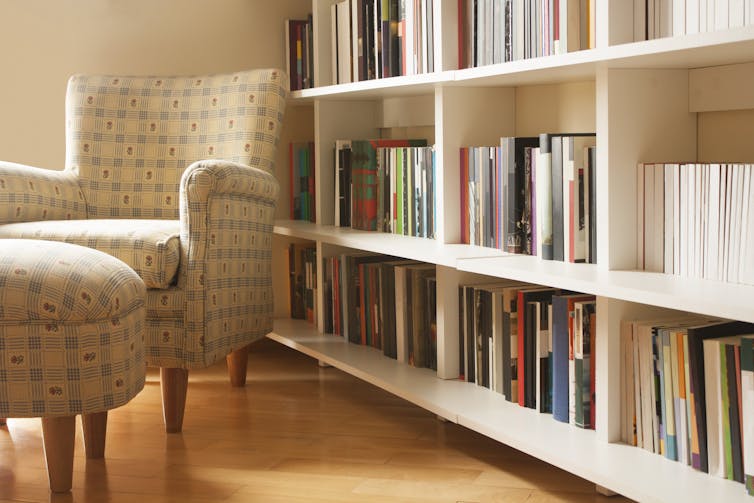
column 628, row 470
column 647, row 101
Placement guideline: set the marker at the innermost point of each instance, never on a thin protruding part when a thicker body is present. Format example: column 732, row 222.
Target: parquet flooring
column 297, row 433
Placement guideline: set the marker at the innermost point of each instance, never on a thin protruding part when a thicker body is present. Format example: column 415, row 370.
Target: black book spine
column 470, row 342
column 461, row 326
column 592, row 205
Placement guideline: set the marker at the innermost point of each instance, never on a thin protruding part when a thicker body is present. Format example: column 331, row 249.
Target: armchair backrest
column 129, row 139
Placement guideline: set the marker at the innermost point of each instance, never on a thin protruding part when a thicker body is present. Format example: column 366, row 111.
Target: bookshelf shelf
column 713, row 298
column 425, row 250
column 688, row 51
column 622, row 468
column 648, row 101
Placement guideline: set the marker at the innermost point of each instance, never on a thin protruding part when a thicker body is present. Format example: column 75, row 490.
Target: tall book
column 513, row 168
column 747, row 409
column 696, row 335
column 562, row 351
column 527, row 340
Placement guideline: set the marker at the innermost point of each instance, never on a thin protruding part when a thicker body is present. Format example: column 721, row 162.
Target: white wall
column 42, row 42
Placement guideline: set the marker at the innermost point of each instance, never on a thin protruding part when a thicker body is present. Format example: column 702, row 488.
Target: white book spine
column 676, row 220
column 520, row 23
column 747, row 236
column 692, row 16
column 714, row 407
column 666, row 18
column 710, row 14
column 736, row 13
column 713, row 220
column 669, row 204
column 679, row 17
column 640, row 227
column 685, row 243
column 721, row 14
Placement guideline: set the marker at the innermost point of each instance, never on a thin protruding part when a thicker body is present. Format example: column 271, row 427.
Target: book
column 747, row 411
column 301, row 181
column 517, row 228
column 562, row 352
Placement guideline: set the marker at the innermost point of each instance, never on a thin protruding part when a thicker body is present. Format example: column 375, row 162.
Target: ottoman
column 71, row 342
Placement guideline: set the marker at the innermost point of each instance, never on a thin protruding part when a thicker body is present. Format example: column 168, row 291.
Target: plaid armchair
column 174, row 176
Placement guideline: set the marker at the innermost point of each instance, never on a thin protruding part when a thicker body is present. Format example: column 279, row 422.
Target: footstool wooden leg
column 58, row 435
column 95, row 430
column 237, row 363
column 173, row 383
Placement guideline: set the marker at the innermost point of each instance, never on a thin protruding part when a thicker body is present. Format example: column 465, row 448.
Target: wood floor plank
column 297, row 433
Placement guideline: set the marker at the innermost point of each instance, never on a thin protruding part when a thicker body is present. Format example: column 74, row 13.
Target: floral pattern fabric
column 71, row 330
column 197, row 152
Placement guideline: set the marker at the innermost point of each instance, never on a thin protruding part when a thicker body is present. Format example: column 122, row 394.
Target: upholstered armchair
column 174, row 176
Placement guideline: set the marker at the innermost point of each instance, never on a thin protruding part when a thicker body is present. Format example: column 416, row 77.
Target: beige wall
column 42, row 42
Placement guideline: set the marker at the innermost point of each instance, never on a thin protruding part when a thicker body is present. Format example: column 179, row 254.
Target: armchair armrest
column 227, row 213
column 205, row 178
column 28, row 194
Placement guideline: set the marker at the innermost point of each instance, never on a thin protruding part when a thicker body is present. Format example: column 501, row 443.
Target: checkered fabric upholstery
column 150, row 247
column 197, row 150
column 71, row 330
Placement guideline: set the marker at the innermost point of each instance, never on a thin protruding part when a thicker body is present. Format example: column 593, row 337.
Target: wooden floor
column 296, row 433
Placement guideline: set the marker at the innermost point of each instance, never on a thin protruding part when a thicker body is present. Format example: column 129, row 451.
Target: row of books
column 496, row 31
column 535, row 345
column 687, row 390
column 670, row 18
column 301, row 181
column 302, row 282
column 386, row 185
column 695, row 220
column 532, row 195
column 374, row 39
column 299, row 50
column 383, row 302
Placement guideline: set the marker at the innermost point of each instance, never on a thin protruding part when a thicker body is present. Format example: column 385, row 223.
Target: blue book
column 562, row 351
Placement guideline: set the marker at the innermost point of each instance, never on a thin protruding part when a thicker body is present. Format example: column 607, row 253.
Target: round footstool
column 71, row 342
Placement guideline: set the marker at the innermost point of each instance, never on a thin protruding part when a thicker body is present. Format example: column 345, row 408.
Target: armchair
column 174, row 176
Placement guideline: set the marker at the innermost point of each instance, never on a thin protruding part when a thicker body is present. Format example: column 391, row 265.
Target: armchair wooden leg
column 58, row 436
column 95, row 430
column 173, row 383
column 237, row 362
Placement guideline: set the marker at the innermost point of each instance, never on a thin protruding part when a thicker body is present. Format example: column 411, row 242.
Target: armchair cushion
column 149, row 247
